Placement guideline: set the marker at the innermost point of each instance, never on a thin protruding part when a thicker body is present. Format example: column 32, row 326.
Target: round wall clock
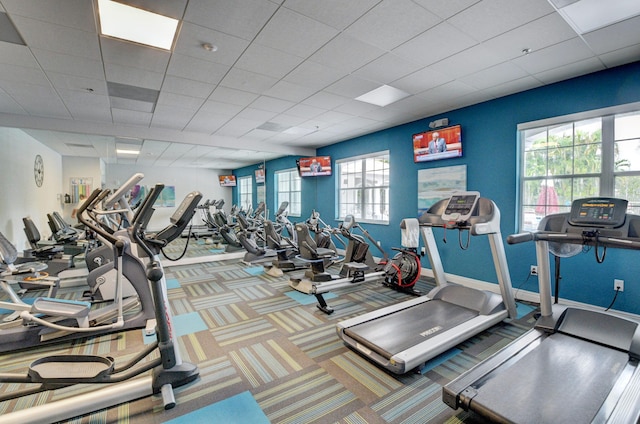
column 38, row 170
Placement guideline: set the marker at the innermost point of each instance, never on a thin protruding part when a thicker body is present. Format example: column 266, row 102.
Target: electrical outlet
column 618, row 285
column 534, row 269
column 423, row 251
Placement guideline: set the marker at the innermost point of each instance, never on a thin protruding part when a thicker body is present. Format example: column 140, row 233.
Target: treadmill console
column 602, row 212
column 461, row 206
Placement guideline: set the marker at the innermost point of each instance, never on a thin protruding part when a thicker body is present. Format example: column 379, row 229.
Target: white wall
column 185, row 181
column 18, row 191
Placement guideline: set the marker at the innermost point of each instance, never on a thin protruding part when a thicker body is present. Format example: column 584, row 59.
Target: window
column 245, row 192
column 288, row 189
column 597, row 154
column 363, row 188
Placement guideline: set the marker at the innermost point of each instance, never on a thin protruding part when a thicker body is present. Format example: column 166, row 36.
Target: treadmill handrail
column 591, row 238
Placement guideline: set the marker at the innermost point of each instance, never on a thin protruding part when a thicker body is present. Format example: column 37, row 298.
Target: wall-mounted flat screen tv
column 442, row 143
column 227, row 180
column 314, row 166
column 259, row 176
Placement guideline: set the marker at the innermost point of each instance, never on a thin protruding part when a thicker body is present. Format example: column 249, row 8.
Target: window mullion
column 607, row 180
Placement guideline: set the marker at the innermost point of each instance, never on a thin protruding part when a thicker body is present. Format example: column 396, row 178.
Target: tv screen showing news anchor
column 314, row 166
column 437, row 144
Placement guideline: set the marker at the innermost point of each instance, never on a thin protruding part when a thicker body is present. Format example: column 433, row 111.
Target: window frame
column 245, row 182
column 607, row 174
column 293, row 174
column 363, row 203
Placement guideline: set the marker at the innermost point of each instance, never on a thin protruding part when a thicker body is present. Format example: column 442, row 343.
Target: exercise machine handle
column 95, row 196
column 520, row 238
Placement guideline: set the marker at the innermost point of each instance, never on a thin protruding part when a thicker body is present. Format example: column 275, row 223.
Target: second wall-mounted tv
column 314, row 166
column 437, row 144
column 227, row 180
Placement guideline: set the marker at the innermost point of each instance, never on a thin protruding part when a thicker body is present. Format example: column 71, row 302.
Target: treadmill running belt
column 391, row 334
column 562, row 380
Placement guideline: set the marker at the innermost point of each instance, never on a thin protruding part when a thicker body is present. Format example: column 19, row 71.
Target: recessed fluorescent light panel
column 127, row 152
column 588, row 15
column 383, row 96
column 132, row 24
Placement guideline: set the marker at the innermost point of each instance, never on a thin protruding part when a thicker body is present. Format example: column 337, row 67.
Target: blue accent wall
column 489, row 132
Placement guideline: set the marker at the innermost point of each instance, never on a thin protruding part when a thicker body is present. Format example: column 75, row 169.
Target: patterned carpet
column 262, row 352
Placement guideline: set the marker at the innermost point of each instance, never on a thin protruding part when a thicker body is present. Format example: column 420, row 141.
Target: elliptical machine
column 66, row 370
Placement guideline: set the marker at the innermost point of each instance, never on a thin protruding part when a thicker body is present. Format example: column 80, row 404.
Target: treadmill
column 577, row 364
column 402, row 337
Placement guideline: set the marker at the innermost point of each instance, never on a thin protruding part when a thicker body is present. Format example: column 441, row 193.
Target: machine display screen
column 606, row 212
column 461, row 205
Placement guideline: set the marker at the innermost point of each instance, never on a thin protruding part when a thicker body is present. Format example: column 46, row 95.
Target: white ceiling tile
column 621, row 57
column 134, row 55
column 305, row 111
column 203, row 91
column 489, row 18
column 326, row 100
column 510, row 87
column 422, row 80
column 191, row 38
column 187, row 87
column 352, row 86
column 169, row 116
column 614, row 37
column 391, row 23
column 206, row 122
column 17, row 55
column 232, row 96
column 495, row 75
column 555, row 56
column 267, row 61
column 238, row 127
column 131, row 117
column 466, row 62
column 288, row 91
column 8, row 105
column 58, row 38
column 338, row 14
column 446, row 9
column 70, row 13
column 346, row 53
column 314, row 75
column 20, row 74
column 294, row 33
column 252, row 82
column 271, row 104
column 71, row 65
column 38, row 100
column 196, row 69
column 241, row 18
column 433, row 45
column 563, row 72
column 355, row 108
column 387, row 68
column 133, row 76
column 256, row 115
column 181, row 101
column 535, row 35
column 220, row 108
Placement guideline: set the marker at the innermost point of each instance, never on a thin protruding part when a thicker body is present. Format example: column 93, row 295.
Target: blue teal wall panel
column 490, row 153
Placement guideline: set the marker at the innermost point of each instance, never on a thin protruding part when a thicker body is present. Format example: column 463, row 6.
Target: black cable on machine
column 184, row 252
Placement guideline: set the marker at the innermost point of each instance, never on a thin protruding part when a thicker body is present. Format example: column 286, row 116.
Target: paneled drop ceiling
column 281, row 77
